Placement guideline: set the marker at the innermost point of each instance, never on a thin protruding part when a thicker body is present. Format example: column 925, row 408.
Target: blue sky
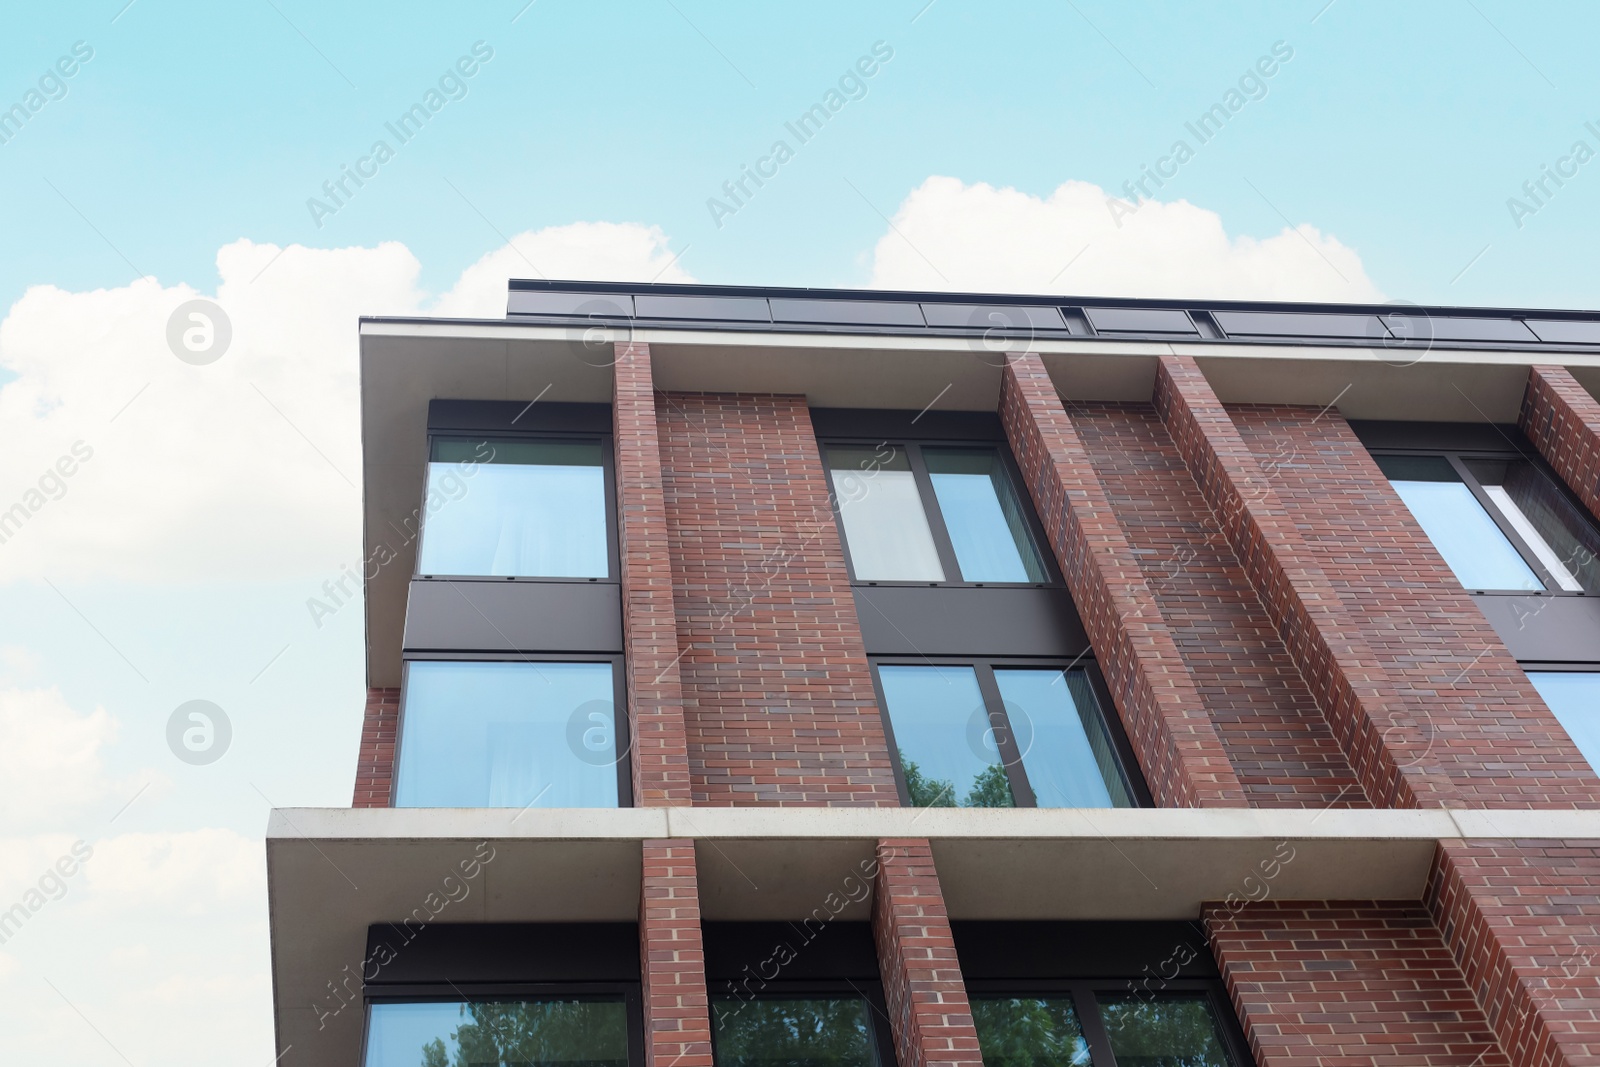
column 176, row 564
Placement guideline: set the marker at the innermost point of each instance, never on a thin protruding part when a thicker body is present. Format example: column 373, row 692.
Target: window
column 1500, row 522
column 931, row 514
column 794, row 1031
column 1162, row 1030
column 516, row 508
column 992, row 734
column 496, row 734
column 588, row 1032
column 1574, row 697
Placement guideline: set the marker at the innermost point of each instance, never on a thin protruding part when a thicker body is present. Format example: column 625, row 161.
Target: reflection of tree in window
column 821, row 1032
column 1028, row 1032
column 564, row 1033
column 990, row 788
column 1170, row 1031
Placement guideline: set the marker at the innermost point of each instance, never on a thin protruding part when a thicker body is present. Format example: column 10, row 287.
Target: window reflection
column 1029, row 1032
column 793, row 1032
column 947, row 754
column 1065, row 747
column 1163, row 1031
column 1574, row 697
column 885, row 527
column 541, row 1033
column 983, row 516
column 1459, row 527
column 1562, row 538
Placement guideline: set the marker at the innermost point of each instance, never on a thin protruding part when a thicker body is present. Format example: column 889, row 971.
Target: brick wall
column 677, row 1019
column 1341, row 983
column 1523, row 921
column 922, row 985
column 375, row 764
column 660, row 758
column 1477, row 719
column 778, row 699
column 1179, row 752
column 1275, row 735
column 1563, row 422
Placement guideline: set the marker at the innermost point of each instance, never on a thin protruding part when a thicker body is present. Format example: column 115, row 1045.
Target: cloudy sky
column 181, row 515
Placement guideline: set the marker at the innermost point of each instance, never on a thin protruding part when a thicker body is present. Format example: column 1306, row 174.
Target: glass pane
column 1168, row 1031
column 941, row 727
column 508, row 735
column 1456, row 523
column 1029, row 1032
column 784, row 1032
column 1574, row 696
column 885, row 529
column 983, row 515
column 526, row 509
column 558, row 1033
column 1065, row 748
column 1563, row 537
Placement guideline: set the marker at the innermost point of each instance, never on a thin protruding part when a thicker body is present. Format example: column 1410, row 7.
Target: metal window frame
column 1457, row 458
column 608, row 468
column 511, row 992
column 619, row 681
column 879, row 1025
column 912, row 447
column 983, row 667
column 1085, row 993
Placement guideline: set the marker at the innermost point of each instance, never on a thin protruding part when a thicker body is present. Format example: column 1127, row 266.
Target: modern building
column 801, row 678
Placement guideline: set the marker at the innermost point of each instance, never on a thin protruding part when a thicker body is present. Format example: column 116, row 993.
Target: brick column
column 922, row 984
column 375, row 764
column 1347, row 682
column 1182, row 759
column 650, row 629
column 1519, row 918
column 677, row 1019
column 1342, row 983
column 1563, row 422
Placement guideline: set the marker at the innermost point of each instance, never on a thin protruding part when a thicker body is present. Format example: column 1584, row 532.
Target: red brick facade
column 1182, row 758
column 778, row 700
column 1325, row 983
column 650, row 631
column 922, row 985
column 1271, row 728
column 677, row 1021
column 375, row 765
column 1563, row 422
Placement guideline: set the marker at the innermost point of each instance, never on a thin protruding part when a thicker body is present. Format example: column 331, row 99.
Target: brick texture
column 1182, row 758
column 660, row 756
column 1522, row 921
column 778, row 699
column 1273, row 731
column 375, row 764
column 1563, row 422
column 1345, row 983
column 1476, row 720
column 677, row 1020
column 922, row 985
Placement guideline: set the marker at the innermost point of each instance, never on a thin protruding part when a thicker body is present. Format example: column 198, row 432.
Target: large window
column 516, row 508
column 997, row 734
column 477, row 733
column 926, row 514
column 800, row 1030
column 1574, row 697
column 1080, row 1026
column 1500, row 522
column 587, row 1032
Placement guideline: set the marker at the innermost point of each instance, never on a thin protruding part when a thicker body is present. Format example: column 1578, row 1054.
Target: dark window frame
column 532, row 436
column 1457, row 458
column 879, row 1024
column 984, row 667
column 511, row 992
column 1083, row 992
column 912, row 445
column 619, row 676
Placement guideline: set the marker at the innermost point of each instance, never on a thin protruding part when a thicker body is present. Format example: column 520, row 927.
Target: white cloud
column 186, row 873
column 590, row 251
column 951, row 236
column 51, row 764
column 248, row 466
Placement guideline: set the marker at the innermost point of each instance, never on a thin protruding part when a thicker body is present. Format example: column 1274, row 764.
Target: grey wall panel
column 1551, row 629
column 968, row 621
column 501, row 616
